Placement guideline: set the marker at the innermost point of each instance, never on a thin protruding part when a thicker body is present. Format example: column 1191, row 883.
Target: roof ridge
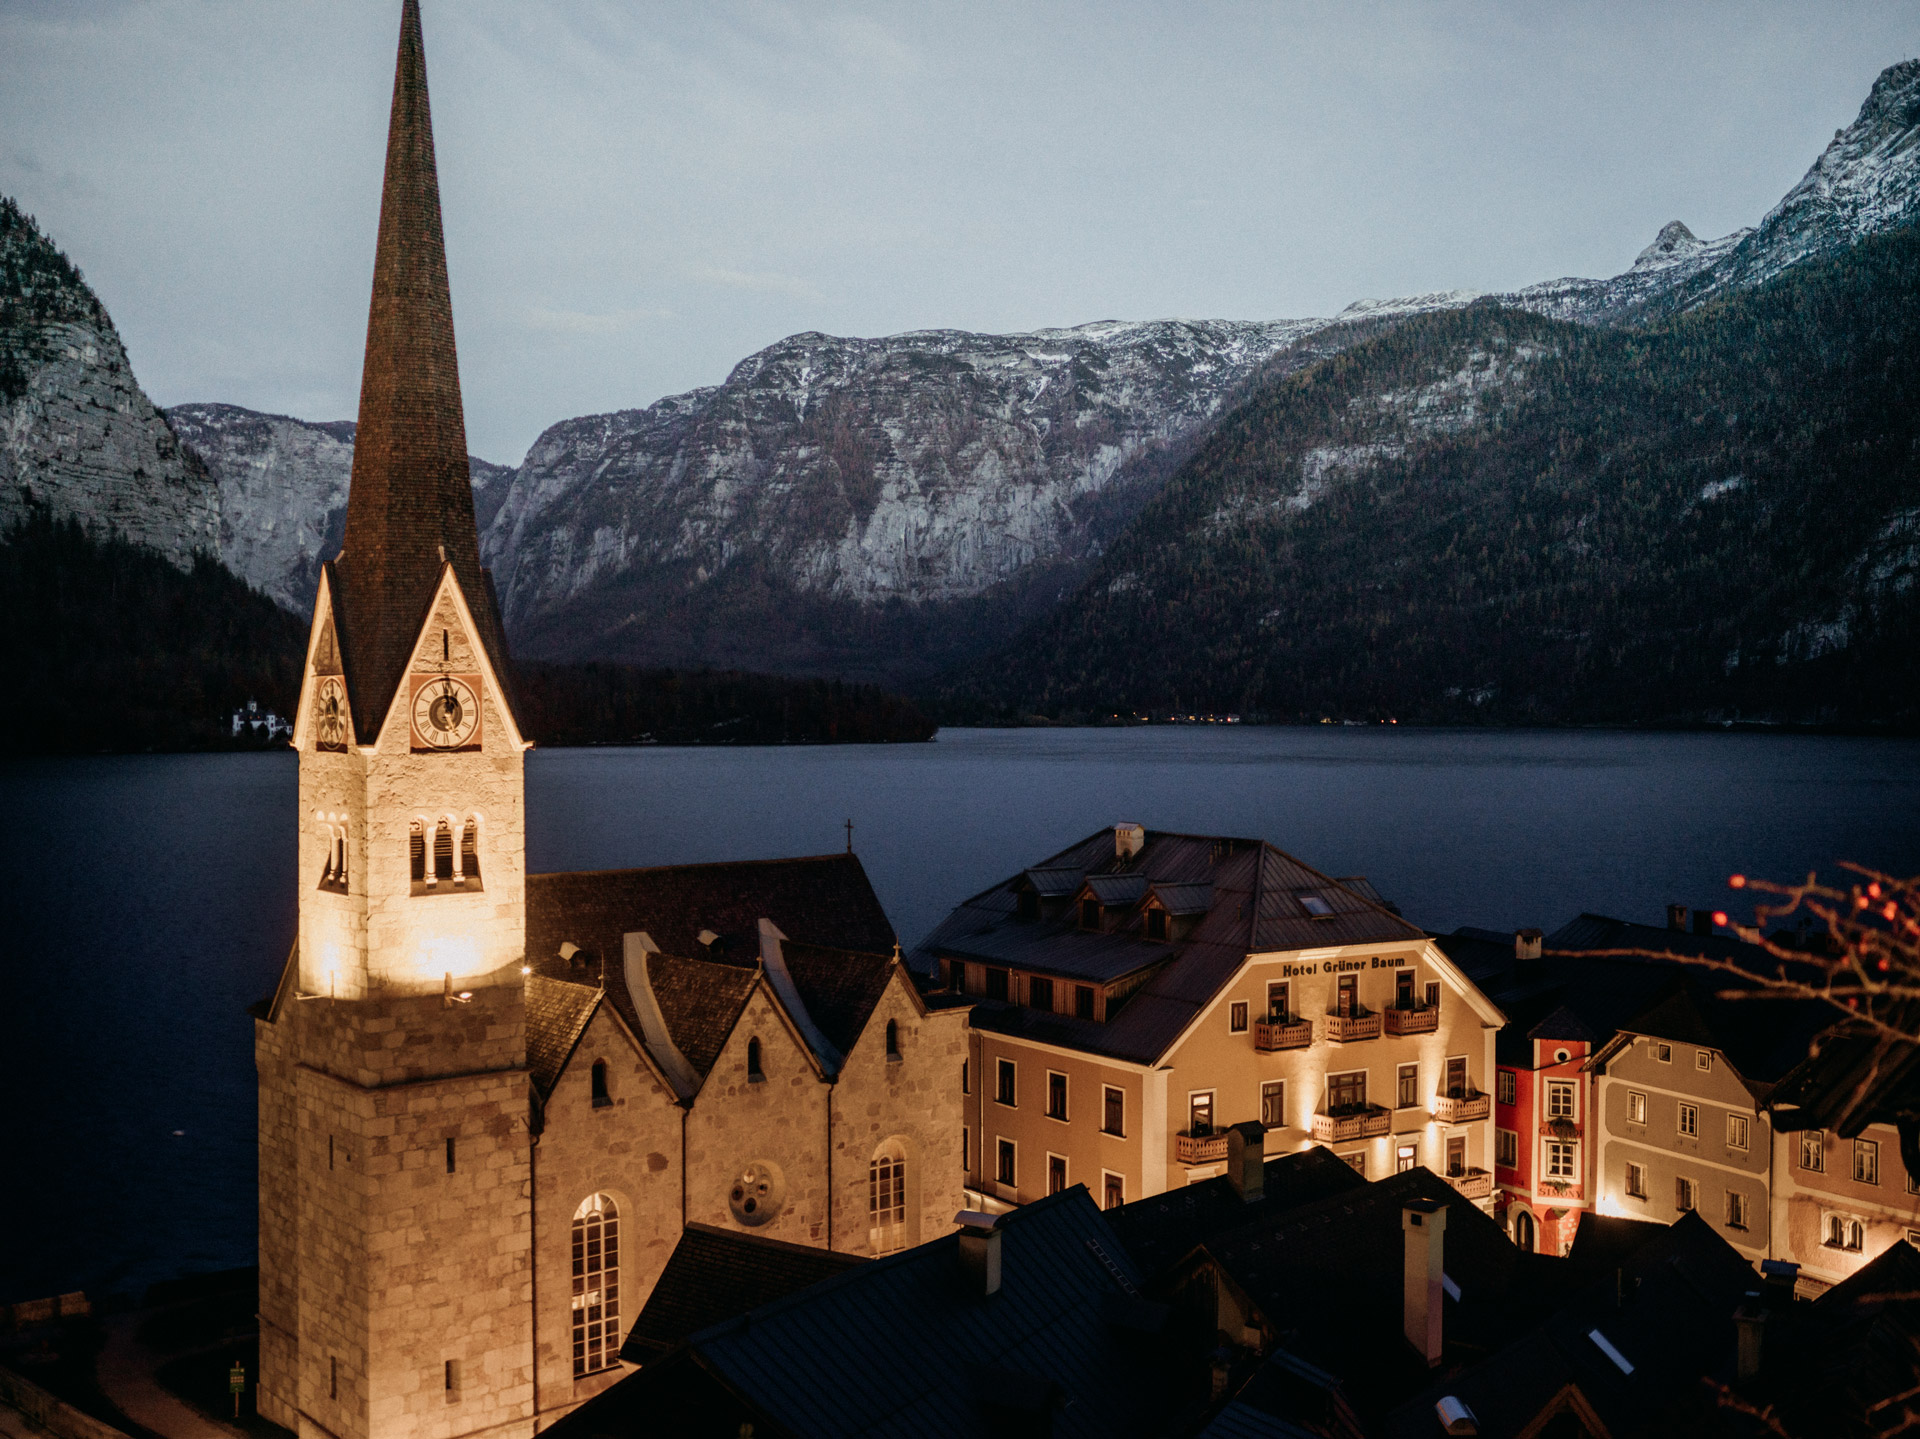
column 699, row 864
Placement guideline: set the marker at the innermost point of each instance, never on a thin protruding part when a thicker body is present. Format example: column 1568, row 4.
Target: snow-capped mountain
column 281, row 491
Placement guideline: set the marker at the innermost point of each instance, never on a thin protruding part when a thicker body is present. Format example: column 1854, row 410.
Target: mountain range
column 949, row 510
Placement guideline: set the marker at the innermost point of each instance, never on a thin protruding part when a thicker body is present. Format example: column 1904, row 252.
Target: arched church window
column 601, row 1097
column 333, row 872
column 893, row 1039
column 596, row 1285
column 887, row 1198
column 754, row 1072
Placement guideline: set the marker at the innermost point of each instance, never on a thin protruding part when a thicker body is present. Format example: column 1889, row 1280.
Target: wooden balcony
column 1458, row 1109
column 1344, row 1028
column 1424, row 1019
column 1191, row 1148
column 1360, row 1124
column 1472, row 1183
column 1272, row 1035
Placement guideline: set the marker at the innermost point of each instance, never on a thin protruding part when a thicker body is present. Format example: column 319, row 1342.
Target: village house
column 1139, row 992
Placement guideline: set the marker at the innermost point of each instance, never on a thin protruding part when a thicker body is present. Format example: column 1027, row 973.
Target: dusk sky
column 637, row 197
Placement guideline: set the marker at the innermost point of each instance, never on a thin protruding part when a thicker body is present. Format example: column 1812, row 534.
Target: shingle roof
column 557, row 1012
column 902, row 1346
column 1674, row 1326
column 714, row 1274
column 1256, row 907
column 826, row 906
column 410, row 503
column 1163, row 1228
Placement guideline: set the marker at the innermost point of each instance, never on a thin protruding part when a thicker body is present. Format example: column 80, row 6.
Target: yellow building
column 1139, row 992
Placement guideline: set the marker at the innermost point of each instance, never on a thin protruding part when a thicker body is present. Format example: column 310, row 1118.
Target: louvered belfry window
column 596, row 1285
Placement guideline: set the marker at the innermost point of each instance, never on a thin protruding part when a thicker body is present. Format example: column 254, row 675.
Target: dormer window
column 1089, row 914
column 1156, row 924
column 1027, row 905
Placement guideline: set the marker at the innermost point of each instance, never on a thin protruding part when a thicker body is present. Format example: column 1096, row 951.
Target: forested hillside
column 1487, row 515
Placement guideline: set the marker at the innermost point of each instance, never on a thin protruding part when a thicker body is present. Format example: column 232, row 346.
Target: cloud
column 587, row 322
column 764, row 282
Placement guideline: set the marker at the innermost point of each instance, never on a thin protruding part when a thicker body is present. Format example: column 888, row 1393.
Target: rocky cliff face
column 77, row 434
column 922, row 468
column 282, row 492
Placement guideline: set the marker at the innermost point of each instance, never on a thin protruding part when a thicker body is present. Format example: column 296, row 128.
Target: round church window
column 758, row 1191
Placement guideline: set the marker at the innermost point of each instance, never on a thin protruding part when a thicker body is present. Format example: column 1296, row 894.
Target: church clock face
column 330, row 716
column 446, row 712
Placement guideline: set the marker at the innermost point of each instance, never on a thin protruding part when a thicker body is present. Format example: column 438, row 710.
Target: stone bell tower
column 395, row 1235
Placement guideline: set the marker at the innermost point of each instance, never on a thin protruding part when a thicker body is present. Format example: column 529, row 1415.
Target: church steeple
column 410, row 507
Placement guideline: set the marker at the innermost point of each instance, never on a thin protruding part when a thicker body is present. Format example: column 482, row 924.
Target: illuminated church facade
column 490, row 1101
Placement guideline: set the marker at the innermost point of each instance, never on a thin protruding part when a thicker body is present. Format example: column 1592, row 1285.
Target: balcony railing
column 1275, row 1034
column 1459, row 1108
column 1472, row 1183
column 1361, row 1024
column 1422, row 1020
column 1357, row 1124
column 1191, row 1148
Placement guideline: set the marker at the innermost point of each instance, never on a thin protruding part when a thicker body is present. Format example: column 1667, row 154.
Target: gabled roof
column 1670, row 1321
column 714, row 1274
column 701, row 989
column 903, row 1345
column 1165, row 1227
column 1255, row 907
column 1192, row 898
column 557, row 1015
column 410, row 503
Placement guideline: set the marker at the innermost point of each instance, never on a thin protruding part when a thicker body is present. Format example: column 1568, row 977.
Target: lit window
column 1056, row 1095
column 1505, row 1090
column 887, row 1199
column 1736, row 1131
column 1407, row 1086
column 1846, row 1233
column 1559, row 1159
column 1866, row 1161
column 1690, row 1120
column 1404, row 1158
column 1813, row 1151
column 1636, row 1181
column 596, row 1285
column 1559, row 1099
column 1004, row 1094
column 1273, row 1104
column 1636, row 1107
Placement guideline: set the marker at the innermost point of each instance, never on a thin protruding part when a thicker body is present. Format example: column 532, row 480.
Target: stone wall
column 276, row 1396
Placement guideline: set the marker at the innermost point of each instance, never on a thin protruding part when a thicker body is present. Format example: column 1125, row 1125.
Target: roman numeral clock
column 446, row 712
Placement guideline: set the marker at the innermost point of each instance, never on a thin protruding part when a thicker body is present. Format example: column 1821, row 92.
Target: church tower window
column 467, row 872
column 601, row 1098
column 887, row 1198
column 596, row 1285
column 333, row 873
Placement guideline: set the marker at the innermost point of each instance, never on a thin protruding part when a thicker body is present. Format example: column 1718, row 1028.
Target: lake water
column 145, row 901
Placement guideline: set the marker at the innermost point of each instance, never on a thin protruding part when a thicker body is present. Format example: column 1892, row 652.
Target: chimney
column 1247, row 1160
column 1677, row 917
column 1526, row 944
column 1750, row 1331
column 979, row 1251
column 1703, row 921
column 1455, row 1416
column 1424, row 1224
column 1128, row 840
column 1782, row 1277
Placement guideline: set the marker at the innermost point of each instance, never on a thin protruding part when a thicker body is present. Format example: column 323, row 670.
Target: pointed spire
column 410, row 507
